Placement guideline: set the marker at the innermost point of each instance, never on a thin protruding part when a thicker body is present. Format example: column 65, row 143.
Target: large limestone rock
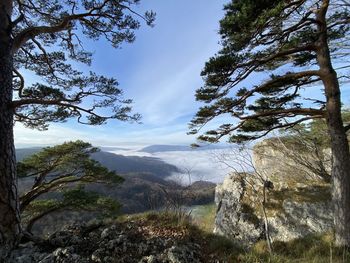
column 291, row 213
column 287, row 166
column 233, row 219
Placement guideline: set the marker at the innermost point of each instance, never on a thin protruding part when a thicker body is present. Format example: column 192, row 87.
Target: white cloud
column 200, row 165
column 100, row 136
column 55, row 135
column 160, row 72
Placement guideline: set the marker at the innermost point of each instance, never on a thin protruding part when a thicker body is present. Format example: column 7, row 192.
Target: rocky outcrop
column 132, row 241
column 285, row 164
column 233, row 219
column 290, row 213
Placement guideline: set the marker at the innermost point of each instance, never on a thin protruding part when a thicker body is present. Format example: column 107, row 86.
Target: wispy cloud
column 160, row 71
column 56, row 134
column 100, row 136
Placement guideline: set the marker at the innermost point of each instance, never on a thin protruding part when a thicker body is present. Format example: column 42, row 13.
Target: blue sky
column 160, row 71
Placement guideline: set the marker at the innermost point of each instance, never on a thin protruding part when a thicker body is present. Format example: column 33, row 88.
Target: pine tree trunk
column 341, row 162
column 9, row 209
column 339, row 141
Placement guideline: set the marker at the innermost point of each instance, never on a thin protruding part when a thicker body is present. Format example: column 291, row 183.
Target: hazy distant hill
column 165, row 148
column 172, row 148
column 142, row 192
column 112, row 148
column 135, row 164
column 119, row 163
column 139, row 193
column 24, row 152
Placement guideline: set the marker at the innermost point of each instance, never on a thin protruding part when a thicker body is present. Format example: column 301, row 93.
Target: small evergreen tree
column 64, row 170
column 294, row 43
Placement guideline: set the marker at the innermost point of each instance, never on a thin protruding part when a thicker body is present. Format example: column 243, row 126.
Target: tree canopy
column 48, row 39
column 64, row 170
column 295, row 43
column 281, row 40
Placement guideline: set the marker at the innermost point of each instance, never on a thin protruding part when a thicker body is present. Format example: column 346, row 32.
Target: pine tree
column 65, row 170
column 45, row 38
column 294, row 45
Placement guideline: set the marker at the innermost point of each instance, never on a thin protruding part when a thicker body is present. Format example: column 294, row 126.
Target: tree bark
column 337, row 133
column 10, row 229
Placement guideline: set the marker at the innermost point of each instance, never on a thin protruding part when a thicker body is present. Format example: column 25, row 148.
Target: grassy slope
column 310, row 249
column 204, row 217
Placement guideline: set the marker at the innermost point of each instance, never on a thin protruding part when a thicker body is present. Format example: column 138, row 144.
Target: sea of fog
column 195, row 165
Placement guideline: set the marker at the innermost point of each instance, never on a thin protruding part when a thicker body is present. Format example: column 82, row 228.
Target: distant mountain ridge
column 135, row 164
column 22, row 153
column 120, row 163
column 112, row 148
column 172, row 148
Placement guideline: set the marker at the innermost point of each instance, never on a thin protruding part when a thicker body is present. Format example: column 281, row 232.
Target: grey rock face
column 280, row 163
column 182, row 254
column 176, row 254
column 231, row 218
column 299, row 219
column 290, row 219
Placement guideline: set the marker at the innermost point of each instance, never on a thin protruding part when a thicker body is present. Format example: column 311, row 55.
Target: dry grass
column 214, row 248
column 204, row 217
column 310, row 249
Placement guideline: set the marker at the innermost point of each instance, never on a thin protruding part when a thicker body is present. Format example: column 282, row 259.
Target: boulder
column 290, row 212
column 233, row 219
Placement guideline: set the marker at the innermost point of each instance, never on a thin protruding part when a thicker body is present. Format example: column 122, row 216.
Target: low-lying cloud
column 195, row 165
